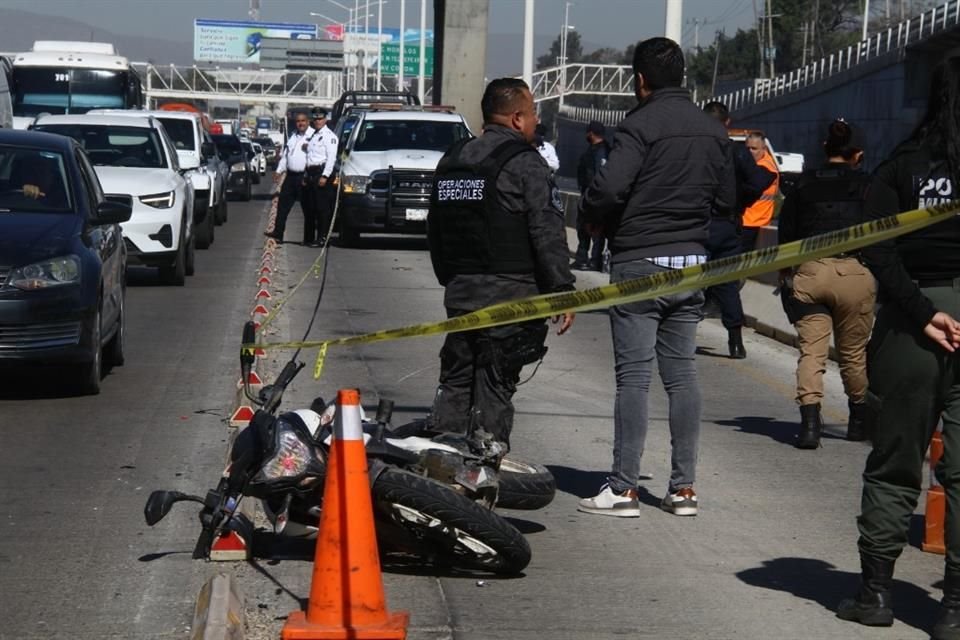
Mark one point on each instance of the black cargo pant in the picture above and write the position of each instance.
(290, 192)
(316, 209)
(479, 371)
(912, 383)
(723, 241)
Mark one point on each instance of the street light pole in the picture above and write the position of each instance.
(379, 44)
(423, 50)
(563, 51)
(403, 25)
(528, 43)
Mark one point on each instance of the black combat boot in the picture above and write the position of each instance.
(811, 426)
(948, 624)
(858, 427)
(735, 343)
(872, 605)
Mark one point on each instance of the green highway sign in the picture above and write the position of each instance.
(390, 59)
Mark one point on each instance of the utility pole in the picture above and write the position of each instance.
(423, 51)
(716, 64)
(866, 19)
(528, 42)
(673, 27)
(759, 30)
(403, 26)
(806, 31)
(379, 86)
(696, 32)
(770, 51)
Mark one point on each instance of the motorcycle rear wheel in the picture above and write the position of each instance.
(448, 526)
(524, 485)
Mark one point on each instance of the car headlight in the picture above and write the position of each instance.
(238, 167)
(355, 184)
(49, 273)
(160, 200)
(292, 456)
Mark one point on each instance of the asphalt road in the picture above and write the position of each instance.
(76, 559)
(770, 555)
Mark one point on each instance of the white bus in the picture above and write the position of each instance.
(62, 77)
(6, 104)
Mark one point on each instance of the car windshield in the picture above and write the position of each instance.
(385, 135)
(228, 146)
(114, 145)
(266, 143)
(181, 132)
(33, 181)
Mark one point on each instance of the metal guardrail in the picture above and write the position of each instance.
(248, 86)
(893, 39)
(618, 80)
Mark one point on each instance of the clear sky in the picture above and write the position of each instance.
(614, 23)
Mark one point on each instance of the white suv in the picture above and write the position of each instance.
(186, 132)
(135, 156)
(387, 172)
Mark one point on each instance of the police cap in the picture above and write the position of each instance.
(318, 112)
(596, 127)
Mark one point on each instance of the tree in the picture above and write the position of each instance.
(574, 51)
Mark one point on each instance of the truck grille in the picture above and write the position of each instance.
(410, 189)
(25, 337)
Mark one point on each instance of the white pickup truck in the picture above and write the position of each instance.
(387, 169)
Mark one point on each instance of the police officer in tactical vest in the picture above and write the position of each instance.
(838, 291)
(496, 233)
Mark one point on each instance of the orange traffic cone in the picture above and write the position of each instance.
(346, 593)
(935, 511)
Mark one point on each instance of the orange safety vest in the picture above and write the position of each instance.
(760, 213)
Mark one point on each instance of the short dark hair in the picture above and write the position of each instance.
(502, 97)
(660, 62)
(717, 109)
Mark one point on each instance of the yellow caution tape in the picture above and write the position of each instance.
(652, 286)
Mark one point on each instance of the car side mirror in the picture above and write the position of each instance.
(208, 150)
(115, 209)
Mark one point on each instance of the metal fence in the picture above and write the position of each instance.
(893, 39)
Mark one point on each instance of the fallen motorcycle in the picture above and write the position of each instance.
(282, 461)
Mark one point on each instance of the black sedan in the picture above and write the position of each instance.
(62, 259)
(242, 174)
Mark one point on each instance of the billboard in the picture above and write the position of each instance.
(239, 42)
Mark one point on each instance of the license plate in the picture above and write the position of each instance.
(417, 214)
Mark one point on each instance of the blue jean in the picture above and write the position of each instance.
(664, 328)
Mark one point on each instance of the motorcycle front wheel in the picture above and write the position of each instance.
(524, 485)
(448, 526)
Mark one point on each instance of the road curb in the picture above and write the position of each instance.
(219, 611)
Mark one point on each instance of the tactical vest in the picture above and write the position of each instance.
(833, 199)
(477, 234)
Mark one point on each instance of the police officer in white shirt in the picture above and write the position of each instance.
(292, 170)
(321, 158)
(547, 151)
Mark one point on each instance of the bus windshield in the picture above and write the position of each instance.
(61, 90)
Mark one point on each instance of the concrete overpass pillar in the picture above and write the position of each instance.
(460, 55)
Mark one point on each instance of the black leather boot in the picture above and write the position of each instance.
(872, 605)
(858, 424)
(947, 626)
(811, 426)
(735, 343)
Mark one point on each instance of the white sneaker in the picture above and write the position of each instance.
(682, 503)
(608, 503)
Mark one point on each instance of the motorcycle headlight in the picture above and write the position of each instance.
(238, 167)
(49, 273)
(355, 184)
(160, 200)
(292, 455)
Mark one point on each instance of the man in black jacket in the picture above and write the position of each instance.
(724, 236)
(589, 164)
(495, 231)
(669, 168)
